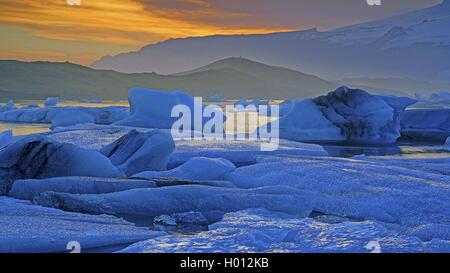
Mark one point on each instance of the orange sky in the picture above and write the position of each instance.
(84, 32)
(56, 31)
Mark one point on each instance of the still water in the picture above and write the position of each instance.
(405, 149)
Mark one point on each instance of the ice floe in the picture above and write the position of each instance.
(212, 202)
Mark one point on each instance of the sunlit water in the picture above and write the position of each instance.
(249, 122)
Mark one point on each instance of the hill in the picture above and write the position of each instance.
(231, 78)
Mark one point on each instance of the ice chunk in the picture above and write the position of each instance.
(185, 222)
(212, 202)
(447, 142)
(259, 230)
(70, 118)
(138, 152)
(197, 168)
(6, 138)
(32, 229)
(52, 101)
(28, 189)
(39, 157)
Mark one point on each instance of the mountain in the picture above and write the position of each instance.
(231, 78)
(399, 86)
(414, 45)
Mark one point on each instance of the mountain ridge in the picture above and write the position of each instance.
(413, 45)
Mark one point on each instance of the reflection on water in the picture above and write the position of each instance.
(403, 150)
(21, 129)
(40, 103)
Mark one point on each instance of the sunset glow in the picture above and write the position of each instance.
(54, 30)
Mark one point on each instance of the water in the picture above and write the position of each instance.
(22, 129)
(405, 149)
(401, 149)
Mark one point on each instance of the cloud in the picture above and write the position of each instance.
(119, 21)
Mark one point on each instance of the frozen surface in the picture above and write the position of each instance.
(104, 115)
(404, 192)
(137, 152)
(39, 157)
(212, 202)
(259, 230)
(29, 228)
(350, 115)
(28, 189)
(239, 152)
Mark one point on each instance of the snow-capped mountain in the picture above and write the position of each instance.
(428, 26)
(414, 45)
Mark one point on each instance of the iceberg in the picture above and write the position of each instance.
(8, 106)
(27, 228)
(426, 124)
(101, 115)
(212, 202)
(263, 231)
(138, 152)
(153, 108)
(344, 115)
(37, 157)
(197, 168)
(70, 118)
(51, 102)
